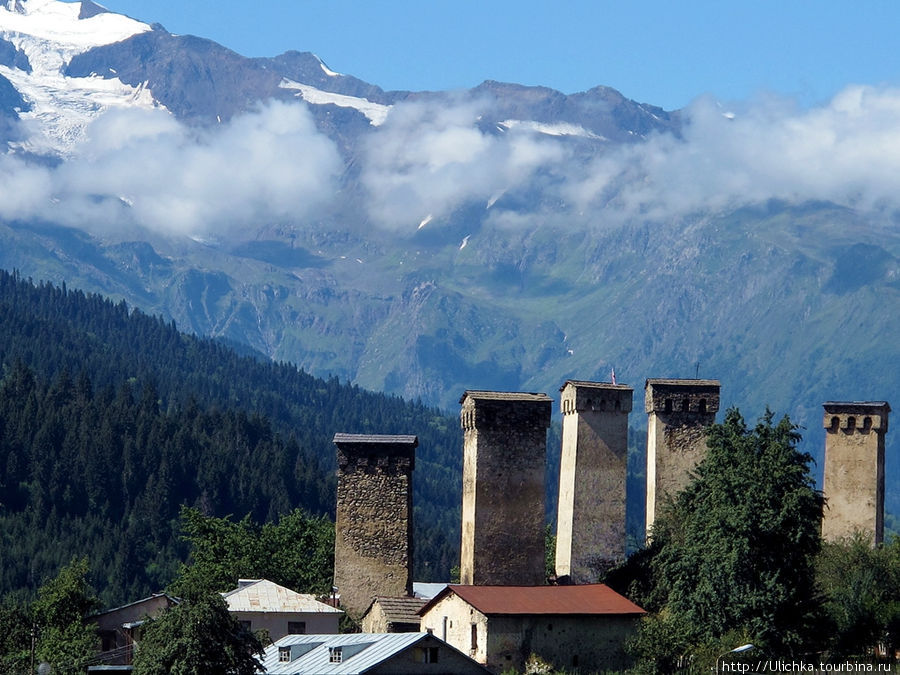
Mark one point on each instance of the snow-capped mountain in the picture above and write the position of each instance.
(40, 38)
(67, 62)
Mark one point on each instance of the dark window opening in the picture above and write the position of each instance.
(296, 628)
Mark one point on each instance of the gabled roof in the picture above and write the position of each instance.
(362, 652)
(399, 610)
(585, 599)
(263, 595)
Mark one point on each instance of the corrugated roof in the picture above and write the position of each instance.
(427, 589)
(504, 396)
(362, 652)
(582, 599)
(401, 610)
(375, 438)
(267, 596)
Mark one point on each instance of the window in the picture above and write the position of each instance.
(474, 636)
(296, 628)
(284, 654)
(245, 625)
(335, 655)
(431, 654)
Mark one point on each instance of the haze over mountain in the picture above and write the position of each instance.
(423, 243)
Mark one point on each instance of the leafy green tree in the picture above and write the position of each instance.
(197, 637)
(66, 641)
(861, 585)
(734, 555)
(15, 640)
(297, 552)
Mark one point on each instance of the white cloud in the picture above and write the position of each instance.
(143, 167)
(847, 152)
(429, 158)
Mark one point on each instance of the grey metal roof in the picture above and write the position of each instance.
(857, 404)
(376, 438)
(263, 595)
(376, 648)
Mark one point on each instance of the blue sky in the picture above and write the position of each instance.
(660, 52)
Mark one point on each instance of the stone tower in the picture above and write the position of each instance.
(373, 545)
(504, 462)
(854, 469)
(590, 534)
(678, 411)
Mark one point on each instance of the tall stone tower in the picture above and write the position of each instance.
(373, 544)
(854, 469)
(504, 463)
(590, 534)
(678, 411)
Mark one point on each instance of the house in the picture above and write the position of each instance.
(568, 626)
(264, 605)
(393, 615)
(382, 653)
(119, 628)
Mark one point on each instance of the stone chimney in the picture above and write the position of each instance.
(590, 534)
(373, 542)
(854, 469)
(504, 464)
(678, 412)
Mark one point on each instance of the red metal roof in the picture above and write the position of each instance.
(584, 599)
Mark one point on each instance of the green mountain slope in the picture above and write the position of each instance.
(111, 419)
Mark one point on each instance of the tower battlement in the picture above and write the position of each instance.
(582, 396)
(858, 416)
(700, 397)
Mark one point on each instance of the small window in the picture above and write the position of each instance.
(851, 423)
(284, 654)
(685, 404)
(668, 406)
(474, 636)
(431, 654)
(702, 405)
(296, 628)
(245, 626)
(335, 655)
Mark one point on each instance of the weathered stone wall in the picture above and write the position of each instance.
(854, 469)
(591, 515)
(504, 462)
(678, 412)
(373, 545)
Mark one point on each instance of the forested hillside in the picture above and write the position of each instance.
(110, 420)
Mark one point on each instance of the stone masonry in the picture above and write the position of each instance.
(678, 411)
(854, 469)
(504, 463)
(373, 545)
(590, 535)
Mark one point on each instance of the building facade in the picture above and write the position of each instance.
(590, 534)
(373, 544)
(854, 469)
(504, 464)
(678, 412)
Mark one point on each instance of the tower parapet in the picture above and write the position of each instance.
(373, 542)
(590, 535)
(678, 412)
(854, 469)
(504, 464)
